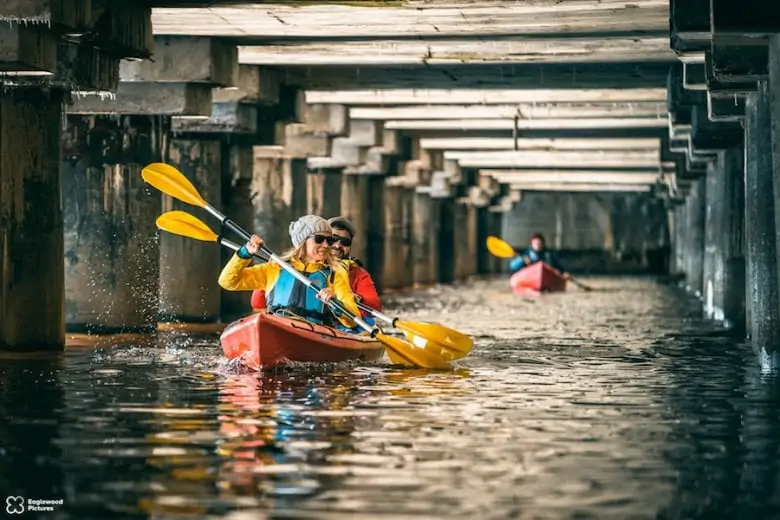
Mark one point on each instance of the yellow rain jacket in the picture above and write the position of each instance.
(237, 275)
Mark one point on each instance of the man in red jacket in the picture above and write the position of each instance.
(361, 282)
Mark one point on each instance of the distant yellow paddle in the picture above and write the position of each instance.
(448, 343)
(502, 249)
(172, 182)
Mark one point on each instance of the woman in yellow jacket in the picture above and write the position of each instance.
(311, 255)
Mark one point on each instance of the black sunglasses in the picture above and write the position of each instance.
(345, 241)
(319, 239)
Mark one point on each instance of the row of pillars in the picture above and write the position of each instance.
(725, 233)
(76, 195)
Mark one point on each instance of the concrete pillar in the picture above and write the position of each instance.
(425, 231)
(32, 293)
(354, 206)
(712, 264)
(277, 189)
(760, 239)
(237, 203)
(695, 232)
(189, 268)
(465, 239)
(497, 214)
(398, 262)
(111, 245)
(483, 259)
(732, 239)
(677, 221)
(375, 229)
(447, 242)
(323, 192)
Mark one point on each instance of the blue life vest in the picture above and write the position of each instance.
(290, 294)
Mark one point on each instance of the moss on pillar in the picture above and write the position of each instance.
(32, 293)
(111, 241)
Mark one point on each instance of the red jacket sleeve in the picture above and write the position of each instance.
(363, 286)
(258, 300)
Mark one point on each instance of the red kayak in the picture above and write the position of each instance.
(537, 277)
(264, 340)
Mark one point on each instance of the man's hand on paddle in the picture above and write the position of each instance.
(326, 294)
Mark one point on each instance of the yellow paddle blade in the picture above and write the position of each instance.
(402, 352)
(447, 342)
(172, 182)
(499, 248)
(186, 225)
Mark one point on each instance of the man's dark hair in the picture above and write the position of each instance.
(539, 236)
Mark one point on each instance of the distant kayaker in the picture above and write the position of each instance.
(536, 252)
(312, 238)
(360, 280)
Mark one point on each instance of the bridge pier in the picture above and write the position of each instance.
(111, 245)
(33, 286)
(397, 266)
(760, 228)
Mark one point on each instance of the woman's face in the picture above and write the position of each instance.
(317, 246)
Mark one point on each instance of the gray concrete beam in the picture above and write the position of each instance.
(124, 28)
(725, 109)
(27, 50)
(186, 60)
(253, 85)
(739, 64)
(234, 118)
(738, 23)
(175, 99)
(715, 84)
(377, 161)
(66, 14)
(300, 142)
(329, 119)
(708, 136)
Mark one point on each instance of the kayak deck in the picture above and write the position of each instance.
(537, 277)
(265, 340)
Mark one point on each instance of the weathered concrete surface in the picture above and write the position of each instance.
(522, 111)
(69, 14)
(466, 239)
(354, 206)
(253, 85)
(398, 262)
(277, 190)
(28, 50)
(228, 118)
(139, 98)
(32, 293)
(323, 192)
(189, 268)
(111, 243)
(760, 229)
(494, 227)
(328, 119)
(561, 144)
(425, 232)
(300, 141)
(237, 200)
(696, 215)
(186, 60)
(447, 238)
(525, 124)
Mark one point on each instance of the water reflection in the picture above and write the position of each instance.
(613, 404)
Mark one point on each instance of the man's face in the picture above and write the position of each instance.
(343, 245)
(537, 244)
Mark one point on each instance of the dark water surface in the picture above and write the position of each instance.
(618, 404)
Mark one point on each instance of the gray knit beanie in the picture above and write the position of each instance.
(307, 226)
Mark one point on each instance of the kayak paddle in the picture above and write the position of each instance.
(503, 249)
(449, 343)
(172, 182)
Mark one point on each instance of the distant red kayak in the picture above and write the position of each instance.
(264, 340)
(539, 277)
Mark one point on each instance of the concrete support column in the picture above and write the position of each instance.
(483, 260)
(446, 240)
(677, 221)
(695, 232)
(712, 264)
(465, 239)
(189, 268)
(323, 192)
(354, 206)
(398, 263)
(497, 214)
(32, 293)
(425, 232)
(732, 239)
(375, 230)
(277, 192)
(761, 239)
(111, 246)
